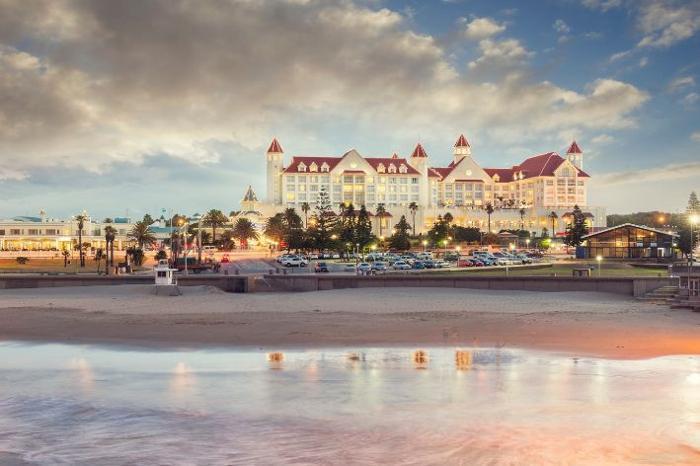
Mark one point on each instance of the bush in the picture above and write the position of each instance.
(22, 260)
(136, 255)
(161, 255)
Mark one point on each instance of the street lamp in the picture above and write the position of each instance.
(599, 258)
(444, 246)
(527, 243)
(425, 243)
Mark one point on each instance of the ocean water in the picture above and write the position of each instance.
(96, 405)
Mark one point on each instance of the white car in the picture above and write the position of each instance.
(364, 267)
(294, 261)
(401, 265)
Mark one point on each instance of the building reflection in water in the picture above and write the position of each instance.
(84, 373)
(463, 360)
(420, 359)
(275, 359)
(182, 381)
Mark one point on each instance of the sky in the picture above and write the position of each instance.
(140, 105)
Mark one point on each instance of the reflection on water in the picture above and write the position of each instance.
(63, 404)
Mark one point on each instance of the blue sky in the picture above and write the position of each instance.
(137, 106)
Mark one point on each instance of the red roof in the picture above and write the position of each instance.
(275, 147)
(539, 165)
(374, 162)
(294, 165)
(433, 173)
(442, 171)
(462, 141)
(574, 149)
(419, 151)
(395, 156)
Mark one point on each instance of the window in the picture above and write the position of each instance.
(313, 179)
(15, 231)
(402, 168)
(381, 168)
(414, 180)
(325, 167)
(392, 168)
(291, 178)
(313, 167)
(301, 167)
(32, 231)
(2, 232)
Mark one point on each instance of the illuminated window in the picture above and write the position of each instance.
(301, 167)
(313, 167)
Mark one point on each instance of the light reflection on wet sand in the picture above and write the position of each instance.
(464, 406)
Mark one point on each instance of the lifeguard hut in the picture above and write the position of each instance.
(166, 281)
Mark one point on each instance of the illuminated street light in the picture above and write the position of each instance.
(599, 258)
(425, 243)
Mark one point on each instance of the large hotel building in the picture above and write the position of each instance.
(540, 185)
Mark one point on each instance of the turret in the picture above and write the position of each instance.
(275, 166)
(462, 149)
(575, 155)
(419, 161)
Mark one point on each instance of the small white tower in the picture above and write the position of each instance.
(419, 161)
(274, 172)
(575, 155)
(462, 149)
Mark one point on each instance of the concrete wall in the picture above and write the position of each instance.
(624, 286)
(233, 284)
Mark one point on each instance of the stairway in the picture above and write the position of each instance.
(664, 295)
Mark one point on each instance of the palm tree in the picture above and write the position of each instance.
(489, 211)
(215, 219)
(244, 230)
(522, 216)
(110, 233)
(81, 223)
(381, 213)
(553, 217)
(305, 207)
(142, 234)
(413, 207)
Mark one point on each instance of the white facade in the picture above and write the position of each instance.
(541, 184)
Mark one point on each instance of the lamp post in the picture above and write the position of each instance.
(527, 243)
(425, 243)
(199, 219)
(693, 219)
(444, 247)
(599, 259)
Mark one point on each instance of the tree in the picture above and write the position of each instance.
(227, 240)
(576, 229)
(466, 234)
(110, 234)
(325, 222)
(136, 255)
(380, 214)
(243, 231)
(553, 217)
(161, 255)
(107, 220)
(413, 207)
(347, 226)
(440, 231)
(142, 234)
(685, 242)
(147, 219)
(215, 219)
(489, 211)
(693, 204)
(275, 228)
(448, 218)
(363, 228)
(522, 218)
(305, 207)
(81, 224)
(400, 239)
(293, 229)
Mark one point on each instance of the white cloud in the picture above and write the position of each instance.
(695, 136)
(671, 172)
(561, 27)
(482, 28)
(602, 139)
(643, 62)
(128, 87)
(680, 83)
(691, 99)
(619, 56)
(665, 22)
(604, 5)
(508, 52)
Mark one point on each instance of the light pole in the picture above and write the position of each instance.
(599, 258)
(199, 218)
(693, 219)
(527, 243)
(425, 243)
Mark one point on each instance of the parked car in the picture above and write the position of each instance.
(525, 258)
(294, 261)
(429, 264)
(440, 264)
(321, 267)
(465, 262)
(283, 257)
(401, 265)
(364, 267)
(418, 265)
(379, 267)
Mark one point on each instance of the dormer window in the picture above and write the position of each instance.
(496, 178)
(392, 168)
(521, 175)
(515, 176)
(403, 169)
(301, 167)
(325, 167)
(381, 168)
(313, 167)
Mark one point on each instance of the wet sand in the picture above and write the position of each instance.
(594, 324)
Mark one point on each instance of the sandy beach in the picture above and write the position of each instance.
(579, 323)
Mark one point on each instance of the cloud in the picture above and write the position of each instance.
(671, 172)
(103, 84)
(691, 99)
(618, 56)
(680, 83)
(561, 27)
(482, 28)
(695, 136)
(603, 5)
(664, 23)
(602, 139)
(503, 53)
(643, 62)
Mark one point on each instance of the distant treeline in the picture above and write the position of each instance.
(655, 219)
